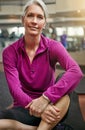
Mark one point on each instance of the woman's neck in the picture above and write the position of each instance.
(31, 42)
(31, 46)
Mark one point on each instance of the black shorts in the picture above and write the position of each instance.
(20, 114)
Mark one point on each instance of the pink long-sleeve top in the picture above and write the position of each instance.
(28, 81)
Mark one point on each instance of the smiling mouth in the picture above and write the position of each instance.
(33, 28)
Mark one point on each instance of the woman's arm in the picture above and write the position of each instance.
(12, 76)
(70, 78)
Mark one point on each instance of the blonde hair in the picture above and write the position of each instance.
(37, 2)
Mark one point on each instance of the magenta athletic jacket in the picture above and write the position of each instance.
(28, 81)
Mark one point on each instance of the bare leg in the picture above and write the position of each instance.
(63, 105)
(6, 124)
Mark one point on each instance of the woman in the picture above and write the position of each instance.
(29, 65)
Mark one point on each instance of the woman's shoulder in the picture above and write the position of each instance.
(13, 46)
(53, 45)
(50, 42)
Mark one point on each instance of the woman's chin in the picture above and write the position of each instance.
(34, 34)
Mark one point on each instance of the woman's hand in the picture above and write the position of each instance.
(37, 106)
(51, 114)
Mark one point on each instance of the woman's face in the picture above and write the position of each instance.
(34, 20)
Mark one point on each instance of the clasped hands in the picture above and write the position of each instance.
(40, 107)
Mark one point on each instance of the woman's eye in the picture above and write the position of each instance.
(29, 15)
(40, 16)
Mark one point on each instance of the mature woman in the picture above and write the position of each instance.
(29, 65)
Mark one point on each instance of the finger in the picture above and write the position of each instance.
(56, 109)
(51, 115)
(30, 112)
(53, 111)
(37, 114)
(49, 120)
(28, 105)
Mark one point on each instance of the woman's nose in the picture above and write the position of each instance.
(35, 20)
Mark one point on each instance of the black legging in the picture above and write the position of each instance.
(20, 114)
